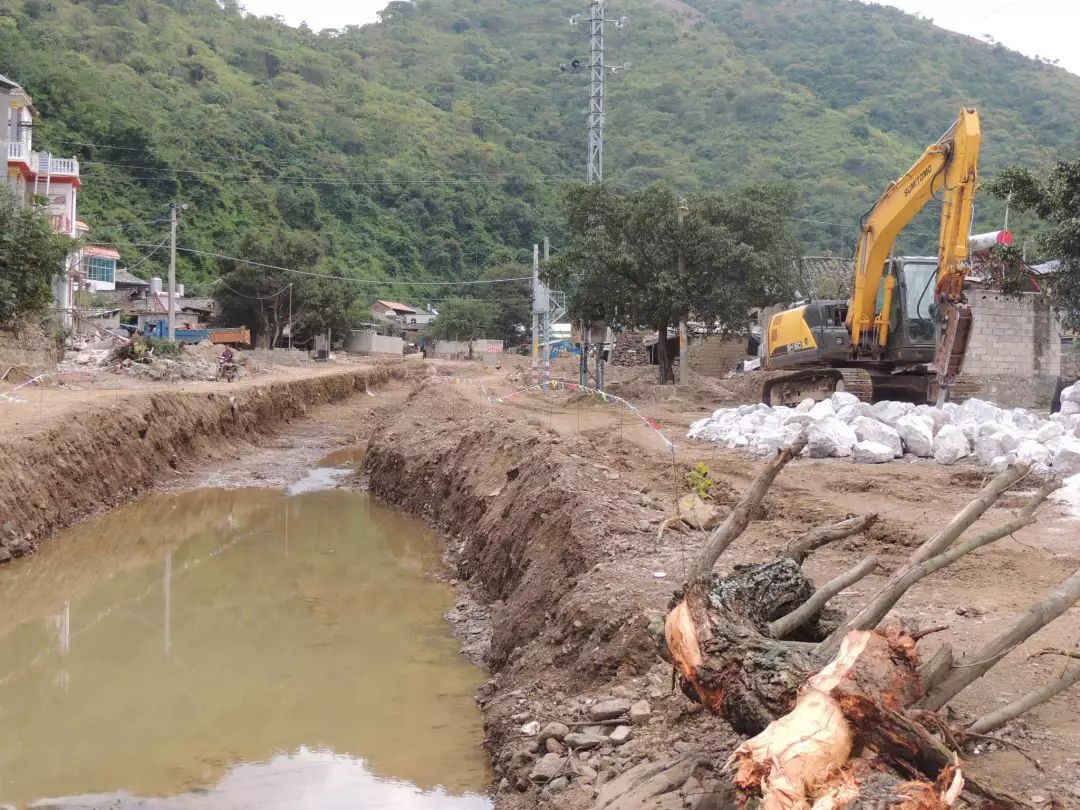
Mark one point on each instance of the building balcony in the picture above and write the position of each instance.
(45, 164)
(42, 163)
(18, 152)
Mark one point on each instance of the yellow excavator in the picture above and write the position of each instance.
(903, 333)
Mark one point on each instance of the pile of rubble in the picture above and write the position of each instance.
(844, 427)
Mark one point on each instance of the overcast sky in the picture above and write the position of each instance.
(1047, 28)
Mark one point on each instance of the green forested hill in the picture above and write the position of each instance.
(432, 145)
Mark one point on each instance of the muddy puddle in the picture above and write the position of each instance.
(233, 649)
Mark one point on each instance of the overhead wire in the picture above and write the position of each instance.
(391, 282)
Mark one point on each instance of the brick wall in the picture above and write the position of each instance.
(1012, 337)
(714, 356)
(1014, 354)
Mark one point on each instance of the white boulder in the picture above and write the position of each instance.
(829, 437)
(806, 405)
(840, 399)
(822, 410)
(1010, 439)
(872, 453)
(950, 445)
(1070, 393)
(849, 413)
(988, 447)
(917, 434)
(1032, 452)
(871, 430)
(890, 412)
(1068, 407)
(1048, 431)
(1003, 462)
(1067, 456)
(977, 410)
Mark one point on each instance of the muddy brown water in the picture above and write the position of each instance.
(232, 649)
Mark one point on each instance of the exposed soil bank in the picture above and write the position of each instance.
(553, 526)
(541, 530)
(104, 456)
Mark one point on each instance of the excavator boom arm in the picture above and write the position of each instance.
(949, 168)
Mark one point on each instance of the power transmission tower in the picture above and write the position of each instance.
(597, 111)
(596, 21)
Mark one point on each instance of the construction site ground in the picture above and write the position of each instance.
(588, 636)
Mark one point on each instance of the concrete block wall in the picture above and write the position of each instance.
(1014, 353)
(714, 356)
(1012, 336)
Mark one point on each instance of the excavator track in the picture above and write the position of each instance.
(791, 387)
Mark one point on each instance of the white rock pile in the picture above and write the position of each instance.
(844, 427)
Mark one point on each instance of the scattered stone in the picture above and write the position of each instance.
(553, 746)
(872, 453)
(871, 430)
(950, 445)
(640, 712)
(917, 434)
(554, 731)
(620, 735)
(547, 768)
(829, 437)
(558, 784)
(609, 709)
(530, 729)
(684, 747)
(583, 741)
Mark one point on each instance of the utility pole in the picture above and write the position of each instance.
(172, 271)
(684, 344)
(536, 310)
(290, 316)
(547, 318)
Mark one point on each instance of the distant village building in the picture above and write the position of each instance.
(410, 319)
(33, 174)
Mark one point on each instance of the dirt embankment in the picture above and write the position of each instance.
(551, 538)
(103, 456)
(552, 515)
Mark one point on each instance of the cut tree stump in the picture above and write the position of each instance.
(840, 722)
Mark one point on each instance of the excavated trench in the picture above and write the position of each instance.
(102, 457)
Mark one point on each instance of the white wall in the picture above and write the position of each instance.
(365, 341)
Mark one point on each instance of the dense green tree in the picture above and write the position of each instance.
(464, 319)
(648, 258)
(512, 301)
(31, 254)
(1053, 196)
(284, 281)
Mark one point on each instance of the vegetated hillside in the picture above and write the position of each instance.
(432, 145)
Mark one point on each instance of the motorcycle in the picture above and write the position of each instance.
(227, 369)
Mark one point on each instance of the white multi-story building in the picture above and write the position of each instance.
(39, 175)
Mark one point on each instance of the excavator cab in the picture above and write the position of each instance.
(912, 322)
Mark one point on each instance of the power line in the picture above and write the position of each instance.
(430, 283)
(168, 173)
(992, 13)
(253, 297)
(144, 259)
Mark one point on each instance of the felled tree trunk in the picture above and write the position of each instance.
(836, 714)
